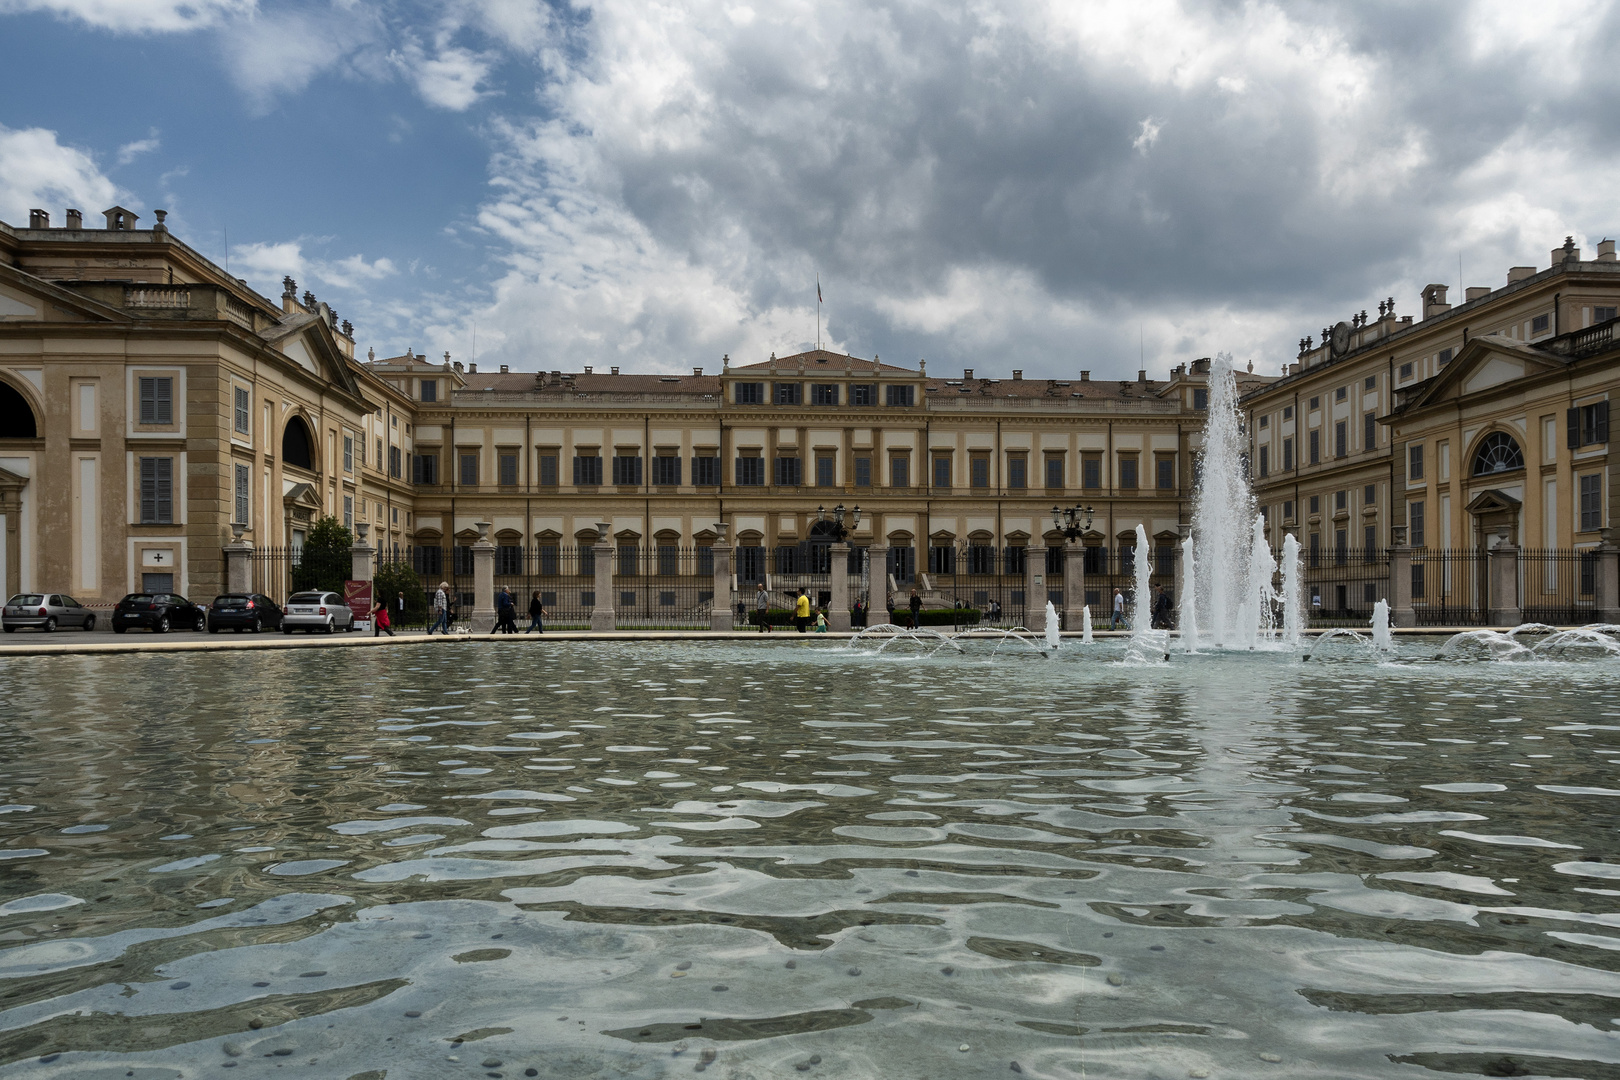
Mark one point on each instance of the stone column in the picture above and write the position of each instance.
(1035, 589)
(877, 571)
(361, 560)
(1504, 584)
(238, 563)
(602, 618)
(1401, 614)
(483, 612)
(1074, 585)
(723, 611)
(1606, 590)
(838, 606)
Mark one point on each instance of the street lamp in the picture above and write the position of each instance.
(837, 530)
(1073, 523)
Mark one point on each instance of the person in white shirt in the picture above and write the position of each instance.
(1119, 609)
(441, 609)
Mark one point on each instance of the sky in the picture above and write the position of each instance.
(656, 183)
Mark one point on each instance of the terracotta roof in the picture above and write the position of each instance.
(1052, 389)
(822, 360)
(406, 362)
(594, 383)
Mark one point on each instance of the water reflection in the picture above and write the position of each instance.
(630, 860)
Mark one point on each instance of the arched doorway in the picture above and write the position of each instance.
(297, 445)
(16, 416)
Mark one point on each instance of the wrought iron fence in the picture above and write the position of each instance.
(1558, 586)
(1449, 587)
(1343, 584)
(280, 572)
(663, 587)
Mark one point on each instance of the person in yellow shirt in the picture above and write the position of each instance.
(801, 612)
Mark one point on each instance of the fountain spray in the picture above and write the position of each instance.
(1052, 638)
(1189, 598)
(1223, 515)
(1085, 624)
(1142, 607)
(1293, 591)
(1380, 627)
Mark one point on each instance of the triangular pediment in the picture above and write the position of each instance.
(303, 496)
(1490, 501)
(10, 481)
(26, 298)
(307, 342)
(1485, 363)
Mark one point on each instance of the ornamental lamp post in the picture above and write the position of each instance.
(1073, 522)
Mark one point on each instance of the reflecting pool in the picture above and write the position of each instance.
(643, 860)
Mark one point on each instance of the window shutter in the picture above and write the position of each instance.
(165, 400)
(165, 489)
(1573, 418)
(148, 489)
(148, 401)
(1602, 421)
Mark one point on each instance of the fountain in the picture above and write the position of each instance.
(1380, 627)
(1085, 624)
(1052, 629)
(1189, 598)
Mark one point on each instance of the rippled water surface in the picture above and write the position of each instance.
(642, 860)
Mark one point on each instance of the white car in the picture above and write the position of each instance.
(311, 611)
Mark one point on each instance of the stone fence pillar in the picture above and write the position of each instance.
(602, 617)
(838, 606)
(482, 620)
(722, 610)
(1074, 585)
(1035, 589)
(1504, 584)
(1606, 587)
(1401, 614)
(238, 563)
(877, 593)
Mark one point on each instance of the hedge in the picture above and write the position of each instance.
(939, 616)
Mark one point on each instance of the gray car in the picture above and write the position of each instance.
(311, 611)
(45, 611)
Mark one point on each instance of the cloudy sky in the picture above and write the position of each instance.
(1029, 184)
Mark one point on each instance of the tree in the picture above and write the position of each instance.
(393, 578)
(325, 563)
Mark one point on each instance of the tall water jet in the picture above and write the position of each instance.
(1380, 627)
(1223, 517)
(1142, 608)
(1262, 568)
(1085, 624)
(1052, 630)
(1189, 598)
(1293, 592)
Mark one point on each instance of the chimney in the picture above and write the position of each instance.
(1141, 375)
(75, 220)
(1018, 374)
(1085, 376)
(587, 369)
(119, 219)
(1474, 292)
(504, 369)
(1434, 301)
(697, 371)
(472, 369)
(39, 219)
(615, 370)
(1519, 273)
(1606, 251)
(967, 373)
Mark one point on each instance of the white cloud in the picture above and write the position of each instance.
(269, 55)
(37, 171)
(1147, 136)
(137, 16)
(132, 150)
(448, 80)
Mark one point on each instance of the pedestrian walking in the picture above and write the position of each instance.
(537, 612)
(821, 622)
(379, 620)
(801, 612)
(1161, 609)
(916, 610)
(762, 607)
(441, 609)
(1119, 609)
(505, 613)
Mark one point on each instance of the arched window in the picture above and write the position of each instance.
(296, 445)
(16, 418)
(1498, 453)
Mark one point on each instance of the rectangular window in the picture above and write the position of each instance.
(750, 562)
(1341, 547)
(157, 491)
(705, 559)
(1588, 424)
(942, 471)
(1017, 477)
(348, 453)
(903, 563)
(1371, 383)
(1369, 431)
(548, 468)
(826, 470)
(1591, 502)
(394, 462)
(1091, 471)
(900, 470)
(348, 511)
(1265, 421)
(1315, 446)
(587, 470)
(823, 393)
(1127, 473)
(1017, 560)
(666, 471)
(900, 396)
(942, 560)
(1054, 470)
(626, 469)
(1288, 412)
(1288, 510)
(509, 469)
(243, 479)
(1167, 473)
(979, 472)
(669, 560)
(863, 394)
(1341, 393)
(509, 559)
(1265, 460)
(430, 389)
(1414, 523)
(429, 561)
(787, 472)
(1341, 439)
(1369, 495)
(1442, 358)
(750, 472)
(424, 469)
(750, 393)
(1200, 397)
(1603, 314)
(241, 411)
(863, 472)
(1414, 461)
(1341, 500)
(469, 470)
(379, 454)
(706, 471)
(157, 401)
(1316, 403)
(1315, 504)
(1288, 455)
(1369, 541)
(627, 564)
(786, 393)
(1541, 324)
(786, 558)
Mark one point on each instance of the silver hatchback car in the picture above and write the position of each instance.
(311, 611)
(45, 611)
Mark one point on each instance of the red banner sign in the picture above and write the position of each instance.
(357, 594)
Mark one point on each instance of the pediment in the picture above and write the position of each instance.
(1493, 371)
(303, 496)
(10, 481)
(25, 298)
(1483, 363)
(307, 341)
(1492, 500)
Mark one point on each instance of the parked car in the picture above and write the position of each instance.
(45, 611)
(159, 612)
(243, 611)
(311, 611)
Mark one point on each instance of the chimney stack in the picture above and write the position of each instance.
(1434, 301)
(504, 369)
(615, 370)
(587, 369)
(472, 369)
(697, 371)
(1018, 374)
(75, 220)
(1519, 273)
(1141, 375)
(1474, 292)
(1085, 376)
(1606, 251)
(967, 373)
(39, 219)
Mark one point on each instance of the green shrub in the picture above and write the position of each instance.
(394, 578)
(325, 562)
(939, 616)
